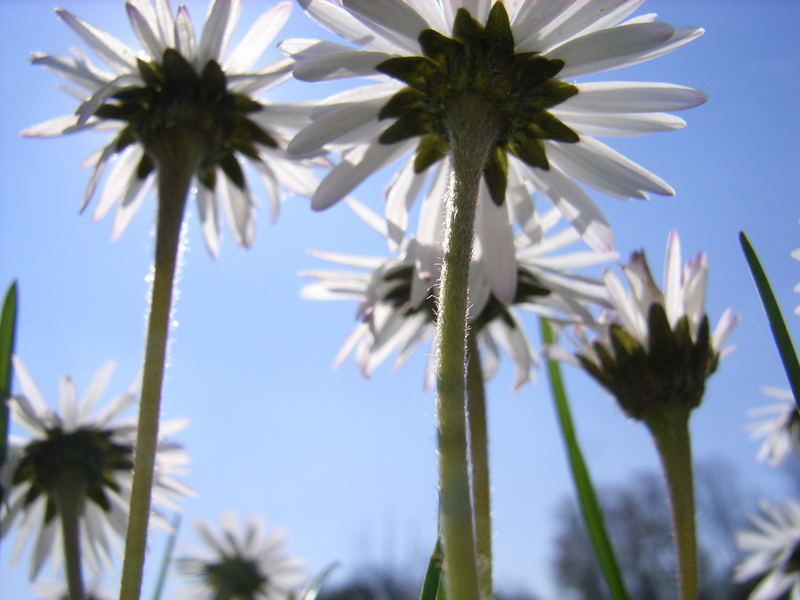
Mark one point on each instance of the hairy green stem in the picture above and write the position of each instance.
(70, 498)
(479, 457)
(670, 430)
(472, 131)
(175, 171)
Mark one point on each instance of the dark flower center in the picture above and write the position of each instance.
(234, 578)
(478, 60)
(176, 106)
(85, 459)
(528, 290)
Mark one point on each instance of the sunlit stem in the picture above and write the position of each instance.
(670, 429)
(472, 130)
(479, 457)
(70, 498)
(175, 171)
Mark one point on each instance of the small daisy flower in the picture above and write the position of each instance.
(243, 562)
(517, 58)
(79, 454)
(778, 424)
(654, 346)
(183, 96)
(773, 548)
(397, 296)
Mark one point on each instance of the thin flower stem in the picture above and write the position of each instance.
(69, 497)
(174, 178)
(479, 456)
(670, 430)
(472, 129)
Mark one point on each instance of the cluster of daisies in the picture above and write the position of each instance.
(411, 58)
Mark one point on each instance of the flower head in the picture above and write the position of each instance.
(778, 424)
(397, 296)
(655, 347)
(774, 548)
(245, 563)
(184, 98)
(86, 454)
(518, 59)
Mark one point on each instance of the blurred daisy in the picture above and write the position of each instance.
(656, 346)
(397, 296)
(50, 590)
(185, 93)
(774, 548)
(78, 460)
(244, 563)
(519, 59)
(778, 424)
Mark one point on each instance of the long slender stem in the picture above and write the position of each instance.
(472, 133)
(174, 177)
(479, 457)
(70, 499)
(670, 430)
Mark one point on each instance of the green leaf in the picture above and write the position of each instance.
(776, 323)
(433, 584)
(590, 507)
(8, 326)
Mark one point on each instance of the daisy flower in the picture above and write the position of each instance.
(185, 93)
(773, 546)
(80, 457)
(397, 296)
(243, 563)
(519, 58)
(778, 424)
(656, 346)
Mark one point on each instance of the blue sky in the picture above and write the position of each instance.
(347, 465)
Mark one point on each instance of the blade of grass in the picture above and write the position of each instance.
(432, 582)
(776, 322)
(8, 326)
(162, 574)
(587, 498)
(312, 589)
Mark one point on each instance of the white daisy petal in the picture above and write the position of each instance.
(116, 54)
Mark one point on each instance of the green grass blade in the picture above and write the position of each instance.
(8, 326)
(776, 322)
(433, 583)
(590, 507)
(312, 589)
(162, 574)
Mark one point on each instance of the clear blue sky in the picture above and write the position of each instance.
(347, 465)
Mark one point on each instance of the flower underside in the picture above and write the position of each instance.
(478, 60)
(177, 107)
(84, 459)
(673, 370)
(528, 290)
(234, 578)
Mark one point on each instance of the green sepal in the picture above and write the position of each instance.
(529, 288)
(430, 149)
(178, 72)
(403, 101)
(257, 134)
(145, 167)
(550, 93)
(415, 71)
(548, 127)
(244, 103)
(116, 112)
(232, 169)
(150, 73)
(465, 26)
(208, 177)
(50, 511)
(411, 124)
(662, 342)
(624, 344)
(439, 47)
(496, 174)
(498, 31)
(98, 496)
(212, 81)
(535, 70)
(529, 149)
